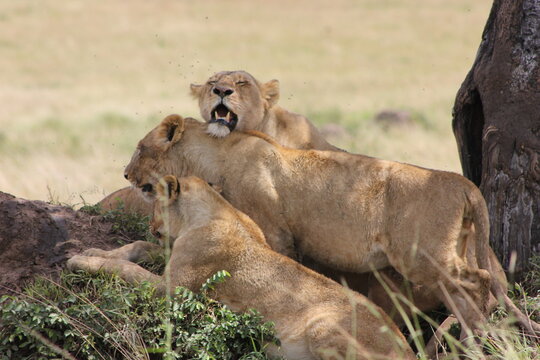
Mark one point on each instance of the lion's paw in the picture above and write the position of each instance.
(75, 262)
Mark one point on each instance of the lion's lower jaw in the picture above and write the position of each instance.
(217, 130)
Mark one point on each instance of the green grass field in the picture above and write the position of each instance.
(83, 81)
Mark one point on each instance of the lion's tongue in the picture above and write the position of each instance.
(222, 112)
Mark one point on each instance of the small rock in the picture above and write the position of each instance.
(394, 118)
(333, 130)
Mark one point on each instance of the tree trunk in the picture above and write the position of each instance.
(496, 121)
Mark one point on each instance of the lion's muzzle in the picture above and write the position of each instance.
(222, 115)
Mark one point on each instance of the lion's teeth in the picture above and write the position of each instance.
(227, 117)
(215, 114)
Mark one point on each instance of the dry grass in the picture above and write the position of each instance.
(82, 81)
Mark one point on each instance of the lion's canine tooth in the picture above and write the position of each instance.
(215, 114)
(227, 117)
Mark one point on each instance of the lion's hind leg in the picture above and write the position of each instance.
(130, 272)
(464, 289)
(326, 341)
(372, 336)
(467, 295)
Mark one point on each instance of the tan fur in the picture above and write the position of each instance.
(314, 317)
(257, 109)
(128, 199)
(349, 212)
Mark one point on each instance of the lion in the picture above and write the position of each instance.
(349, 212)
(314, 317)
(235, 100)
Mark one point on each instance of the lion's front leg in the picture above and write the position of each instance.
(138, 251)
(127, 270)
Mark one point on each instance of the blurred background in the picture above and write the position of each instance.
(82, 81)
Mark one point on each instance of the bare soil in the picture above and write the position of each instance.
(36, 239)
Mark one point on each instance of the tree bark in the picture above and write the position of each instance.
(496, 121)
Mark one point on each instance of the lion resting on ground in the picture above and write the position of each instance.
(235, 100)
(349, 212)
(314, 317)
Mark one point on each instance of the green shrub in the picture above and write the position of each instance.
(101, 317)
(127, 225)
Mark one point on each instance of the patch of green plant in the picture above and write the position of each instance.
(101, 317)
(94, 210)
(128, 225)
(531, 279)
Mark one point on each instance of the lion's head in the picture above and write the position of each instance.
(163, 151)
(232, 100)
(148, 162)
(178, 200)
(183, 147)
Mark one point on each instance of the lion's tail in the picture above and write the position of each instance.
(480, 218)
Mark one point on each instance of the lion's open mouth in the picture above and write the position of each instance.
(222, 115)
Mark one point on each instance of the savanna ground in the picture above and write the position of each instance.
(82, 82)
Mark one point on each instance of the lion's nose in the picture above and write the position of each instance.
(222, 91)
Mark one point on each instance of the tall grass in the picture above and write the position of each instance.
(101, 317)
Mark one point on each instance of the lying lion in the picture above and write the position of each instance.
(314, 317)
(235, 100)
(349, 212)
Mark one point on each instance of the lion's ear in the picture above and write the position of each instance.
(171, 129)
(270, 92)
(168, 189)
(196, 90)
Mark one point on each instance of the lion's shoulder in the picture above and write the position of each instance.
(296, 131)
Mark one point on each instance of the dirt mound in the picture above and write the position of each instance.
(36, 238)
